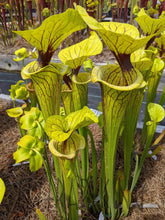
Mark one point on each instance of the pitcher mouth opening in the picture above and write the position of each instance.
(32, 69)
(79, 80)
(98, 75)
(29, 69)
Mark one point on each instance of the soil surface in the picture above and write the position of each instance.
(26, 191)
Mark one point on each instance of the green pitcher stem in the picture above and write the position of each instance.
(79, 95)
(85, 165)
(153, 83)
(102, 177)
(71, 189)
(94, 163)
(78, 173)
(162, 98)
(60, 184)
(131, 118)
(113, 112)
(13, 104)
(109, 160)
(150, 133)
(22, 131)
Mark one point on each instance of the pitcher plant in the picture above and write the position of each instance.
(74, 56)
(139, 65)
(47, 77)
(122, 88)
(152, 26)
